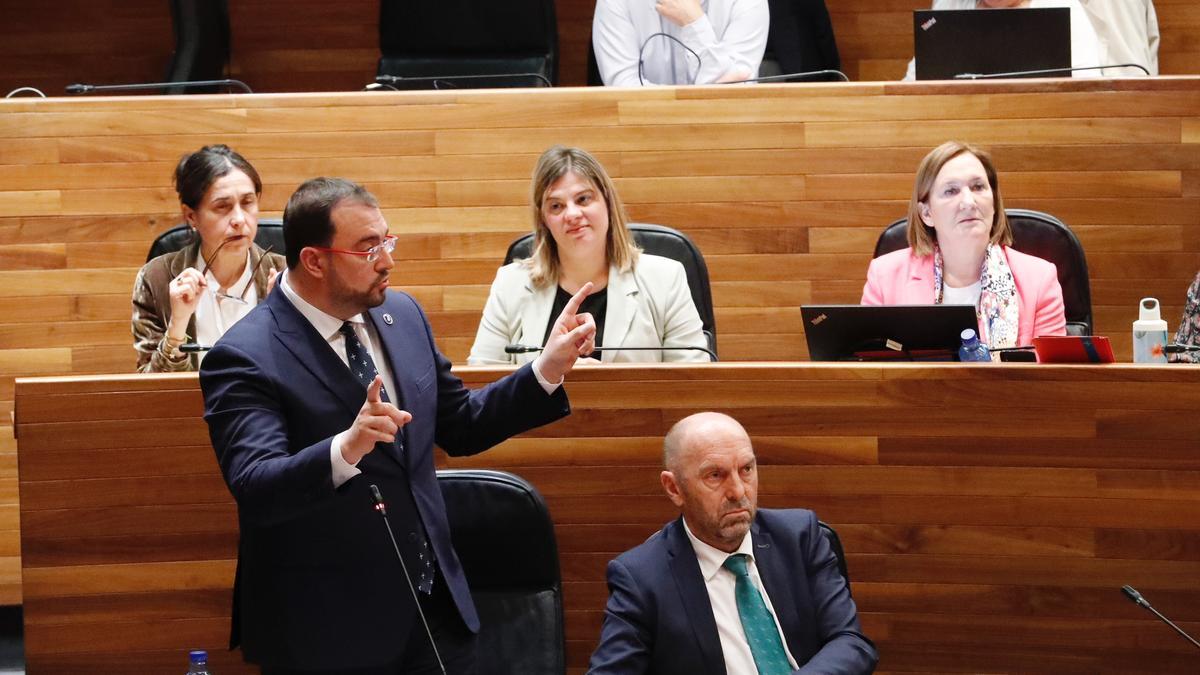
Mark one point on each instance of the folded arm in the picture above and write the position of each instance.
(845, 650)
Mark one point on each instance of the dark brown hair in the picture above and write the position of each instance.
(197, 171)
(307, 219)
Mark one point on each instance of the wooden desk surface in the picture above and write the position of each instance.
(990, 513)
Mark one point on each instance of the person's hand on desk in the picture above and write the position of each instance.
(680, 12)
(573, 336)
(734, 76)
(378, 421)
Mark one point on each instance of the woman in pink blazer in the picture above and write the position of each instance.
(959, 253)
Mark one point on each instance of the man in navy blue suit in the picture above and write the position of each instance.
(328, 387)
(700, 597)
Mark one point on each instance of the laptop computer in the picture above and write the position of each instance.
(951, 42)
(886, 333)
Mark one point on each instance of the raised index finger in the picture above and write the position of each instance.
(576, 300)
(373, 390)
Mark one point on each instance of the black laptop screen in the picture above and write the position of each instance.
(887, 332)
(989, 41)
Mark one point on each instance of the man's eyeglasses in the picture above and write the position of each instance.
(372, 254)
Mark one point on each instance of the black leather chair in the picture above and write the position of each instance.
(448, 38)
(504, 537)
(1044, 236)
(800, 39)
(668, 243)
(835, 542)
(270, 233)
(201, 43)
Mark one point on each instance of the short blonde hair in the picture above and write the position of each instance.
(921, 237)
(555, 163)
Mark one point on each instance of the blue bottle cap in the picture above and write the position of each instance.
(198, 656)
(968, 334)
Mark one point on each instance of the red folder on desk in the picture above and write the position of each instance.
(1073, 349)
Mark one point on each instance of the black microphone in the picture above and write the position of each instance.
(787, 77)
(192, 348)
(1047, 71)
(377, 497)
(642, 51)
(398, 79)
(88, 88)
(1131, 593)
(1181, 349)
(526, 349)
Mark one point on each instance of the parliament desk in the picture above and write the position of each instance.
(989, 513)
(785, 188)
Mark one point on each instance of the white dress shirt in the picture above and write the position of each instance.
(1128, 31)
(730, 38)
(329, 327)
(720, 584)
(215, 314)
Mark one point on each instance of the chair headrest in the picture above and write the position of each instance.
(270, 234)
(492, 511)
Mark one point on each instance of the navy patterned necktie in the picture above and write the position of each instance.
(757, 622)
(363, 367)
(359, 359)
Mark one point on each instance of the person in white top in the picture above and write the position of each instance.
(1086, 49)
(728, 587)
(1128, 30)
(706, 41)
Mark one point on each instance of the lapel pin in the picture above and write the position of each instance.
(387, 318)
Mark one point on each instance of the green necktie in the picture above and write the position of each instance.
(757, 622)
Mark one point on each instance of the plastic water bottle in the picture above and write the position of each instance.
(198, 662)
(1149, 334)
(972, 349)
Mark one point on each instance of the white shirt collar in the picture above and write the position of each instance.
(712, 559)
(326, 324)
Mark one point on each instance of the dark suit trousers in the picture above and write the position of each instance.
(455, 643)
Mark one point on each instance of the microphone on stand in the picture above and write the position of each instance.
(526, 349)
(817, 75)
(1137, 599)
(1180, 348)
(1047, 71)
(377, 497)
(498, 77)
(88, 88)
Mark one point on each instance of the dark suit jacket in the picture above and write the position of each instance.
(318, 584)
(659, 619)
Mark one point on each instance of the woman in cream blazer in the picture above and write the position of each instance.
(580, 236)
(649, 304)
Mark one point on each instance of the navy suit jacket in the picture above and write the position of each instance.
(659, 619)
(318, 584)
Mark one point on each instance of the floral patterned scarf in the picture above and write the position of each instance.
(998, 310)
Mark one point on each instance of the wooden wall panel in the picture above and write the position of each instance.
(784, 188)
(313, 45)
(975, 544)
